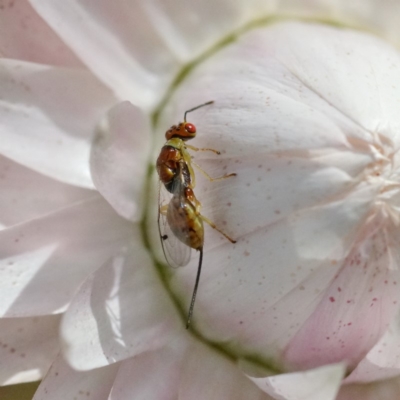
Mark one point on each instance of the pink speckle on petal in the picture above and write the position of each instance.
(331, 299)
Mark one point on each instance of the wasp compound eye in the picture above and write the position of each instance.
(190, 128)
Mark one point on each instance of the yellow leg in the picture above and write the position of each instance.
(209, 177)
(201, 149)
(164, 209)
(205, 219)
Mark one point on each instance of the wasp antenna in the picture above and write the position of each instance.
(189, 318)
(195, 108)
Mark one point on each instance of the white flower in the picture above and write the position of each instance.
(305, 114)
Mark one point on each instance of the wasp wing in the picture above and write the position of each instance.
(176, 252)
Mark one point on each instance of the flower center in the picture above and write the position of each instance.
(384, 173)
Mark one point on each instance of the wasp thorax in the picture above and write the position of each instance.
(184, 131)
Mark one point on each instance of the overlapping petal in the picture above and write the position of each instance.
(48, 117)
(185, 369)
(43, 261)
(107, 39)
(62, 382)
(120, 311)
(119, 159)
(20, 199)
(320, 384)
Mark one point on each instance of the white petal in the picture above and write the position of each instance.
(46, 259)
(117, 42)
(120, 311)
(48, 116)
(28, 347)
(27, 194)
(62, 382)
(186, 370)
(319, 384)
(25, 36)
(119, 159)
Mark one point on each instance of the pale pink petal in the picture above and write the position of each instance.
(27, 194)
(118, 42)
(119, 159)
(186, 370)
(382, 390)
(48, 116)
(120, 311)
(319, 384)
(26, 36)
(28, 347)
(383, 360)
(62, 382)
(355, 310)
(43, 261)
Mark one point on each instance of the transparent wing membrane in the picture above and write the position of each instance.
(176, 252)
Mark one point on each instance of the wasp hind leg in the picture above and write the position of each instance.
(205, 219)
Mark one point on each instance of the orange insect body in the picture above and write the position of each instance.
(183, 210)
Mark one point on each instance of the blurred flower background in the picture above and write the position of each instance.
(306, 304)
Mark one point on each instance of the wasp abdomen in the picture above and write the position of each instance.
(185, 223)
